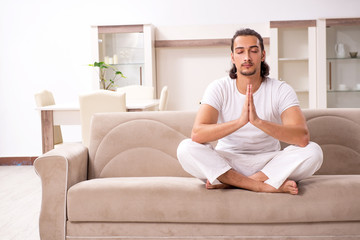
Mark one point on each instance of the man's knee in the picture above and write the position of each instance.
(189, 146)
(311, 155)
(310, 160)
(315, 156)
(316, 152)
(183, 147)
(186, 148)
(312, 151)
(187, 154)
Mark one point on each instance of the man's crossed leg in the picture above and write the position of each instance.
(269, 172)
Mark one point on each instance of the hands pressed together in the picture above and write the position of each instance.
(249, 112)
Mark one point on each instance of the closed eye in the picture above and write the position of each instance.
(254, 49)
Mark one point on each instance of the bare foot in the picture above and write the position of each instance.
(289, 186)
(252, 183)
(208, 185)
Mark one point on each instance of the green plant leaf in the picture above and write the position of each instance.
(102, 69)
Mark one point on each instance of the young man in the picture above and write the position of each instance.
(248, 114)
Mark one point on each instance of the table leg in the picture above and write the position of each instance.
(47, 130)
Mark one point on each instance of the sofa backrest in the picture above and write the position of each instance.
(337, 131)
(137, 144)
(145, 143)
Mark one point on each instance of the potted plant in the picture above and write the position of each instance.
(106, 70)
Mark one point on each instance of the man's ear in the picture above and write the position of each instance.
(263, 56)
(232, 58)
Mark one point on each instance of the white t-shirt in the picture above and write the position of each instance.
(271, 99)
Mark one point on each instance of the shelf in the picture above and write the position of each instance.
(301, 90)
(129, 48)
(293, 24)
(347, 58)
(342, 22)
(192, 43)
(344, 91)
(122, 64)
(293, 59)
(225, 42)
(121, 29)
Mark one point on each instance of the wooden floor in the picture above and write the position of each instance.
(20, 200)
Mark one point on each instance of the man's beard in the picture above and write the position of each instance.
(245, 73)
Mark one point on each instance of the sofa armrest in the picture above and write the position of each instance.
(59, 169)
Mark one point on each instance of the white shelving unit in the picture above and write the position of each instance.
(340, 76)
(293, 57)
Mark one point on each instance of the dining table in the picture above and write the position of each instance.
(69, 114)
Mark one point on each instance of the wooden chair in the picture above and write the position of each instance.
(98, 102)
(163, 98)
(46, 98)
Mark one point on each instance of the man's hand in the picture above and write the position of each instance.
(244, 118)
(249, 112)
(253, 117)
(206, 128)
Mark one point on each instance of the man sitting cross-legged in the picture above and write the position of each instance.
(249, 114)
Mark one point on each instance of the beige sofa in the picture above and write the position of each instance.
(129, 185)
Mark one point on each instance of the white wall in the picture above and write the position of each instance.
(46, 44)
(187, 71)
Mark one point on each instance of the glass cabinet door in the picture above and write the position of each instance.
(125, 52)
(343, 70)
(128, 49)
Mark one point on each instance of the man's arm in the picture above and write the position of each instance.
(206, 128)
(293, 129)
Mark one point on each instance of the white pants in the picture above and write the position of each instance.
(295, 163)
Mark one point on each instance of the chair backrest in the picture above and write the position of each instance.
(137, 92)
(163, 98)
(46, 98)
(98, 102)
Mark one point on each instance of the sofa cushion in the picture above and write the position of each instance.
(179, 199)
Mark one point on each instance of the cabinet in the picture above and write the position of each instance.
(130, 49)
(342, 71)
(293, 57)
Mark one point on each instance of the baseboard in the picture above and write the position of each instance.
(17, 161)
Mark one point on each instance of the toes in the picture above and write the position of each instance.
(208, 185)
(290, 187)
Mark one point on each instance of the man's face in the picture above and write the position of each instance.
(247, 55)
